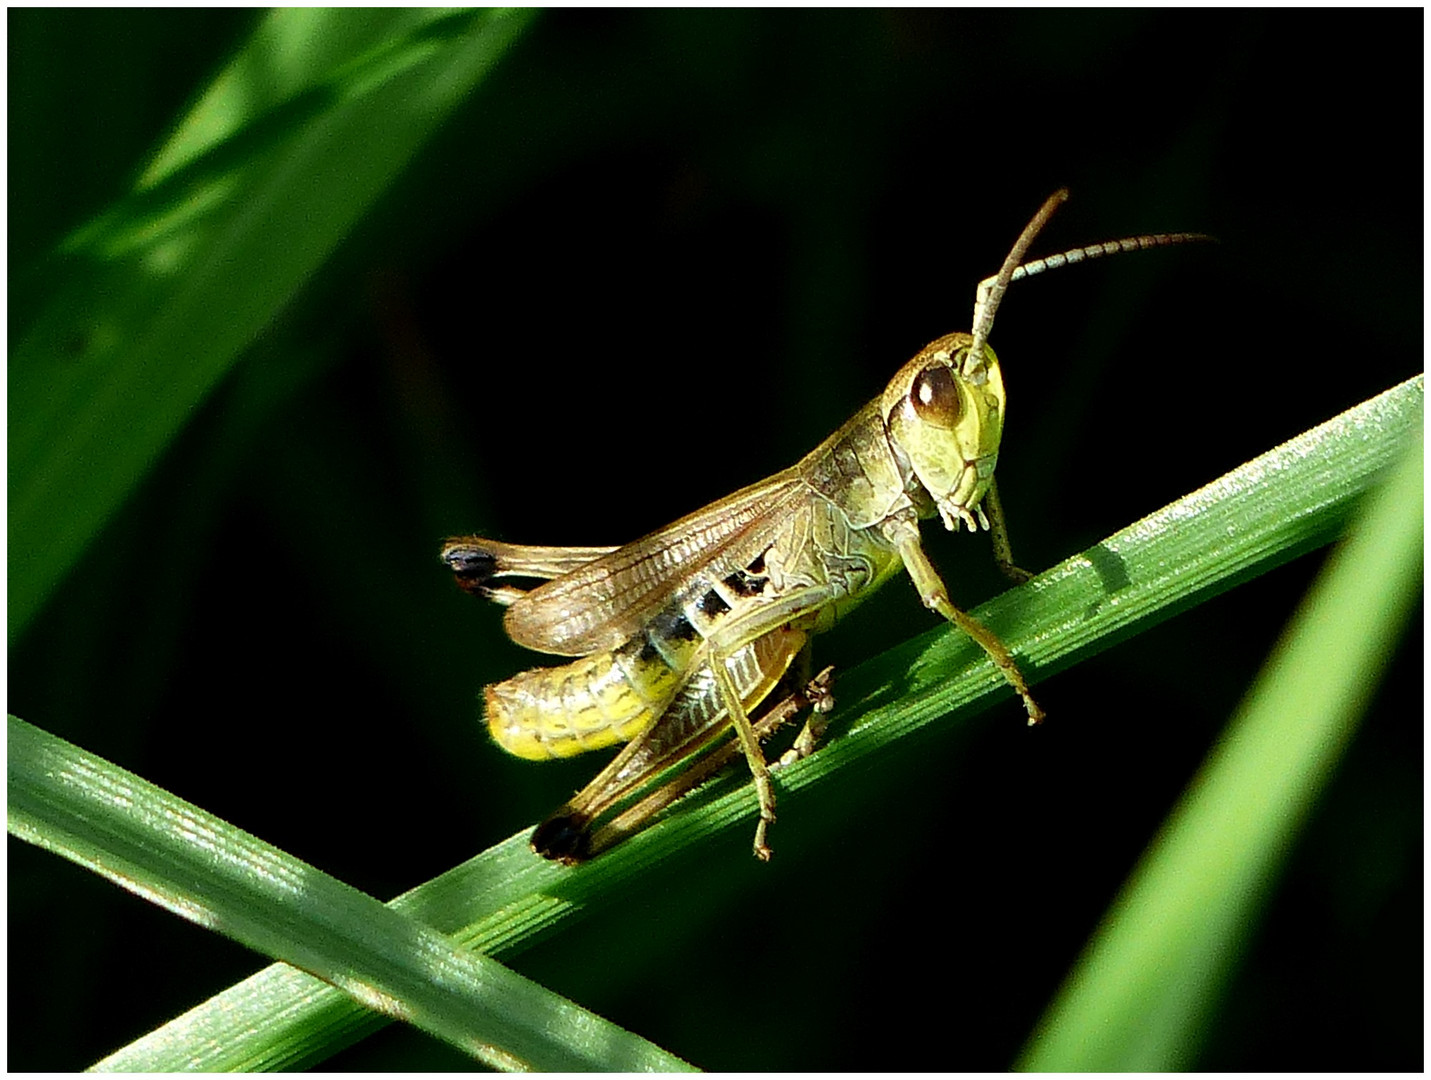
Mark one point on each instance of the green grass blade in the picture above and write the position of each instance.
(195, 865)
(157, 297)
(1139, 998)
(1287, 501)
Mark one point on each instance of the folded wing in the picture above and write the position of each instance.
(603, 603)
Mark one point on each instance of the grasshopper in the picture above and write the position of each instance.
(683, 634)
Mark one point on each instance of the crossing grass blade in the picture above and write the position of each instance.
(206, 870)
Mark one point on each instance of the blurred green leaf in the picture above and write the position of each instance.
(1140, 996)
(159, 295)
(1285, 502)
(206, 870)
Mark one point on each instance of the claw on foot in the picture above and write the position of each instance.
(762, 849)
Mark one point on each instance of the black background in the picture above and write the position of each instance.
(659, 255)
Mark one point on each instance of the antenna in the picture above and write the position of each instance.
(991, 290)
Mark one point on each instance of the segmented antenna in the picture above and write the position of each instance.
(991, 290)
(1097, 251)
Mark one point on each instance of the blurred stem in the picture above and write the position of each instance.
(1140, 997)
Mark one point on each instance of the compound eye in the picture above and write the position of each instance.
(935, 396)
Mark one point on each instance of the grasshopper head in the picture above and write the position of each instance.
(944, 412)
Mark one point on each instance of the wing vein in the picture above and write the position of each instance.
(606, 602)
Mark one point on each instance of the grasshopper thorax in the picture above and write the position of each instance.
(944, 417)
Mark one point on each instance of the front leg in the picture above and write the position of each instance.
(905, 537)
(999, 533)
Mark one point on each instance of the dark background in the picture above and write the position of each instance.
(659, 255)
